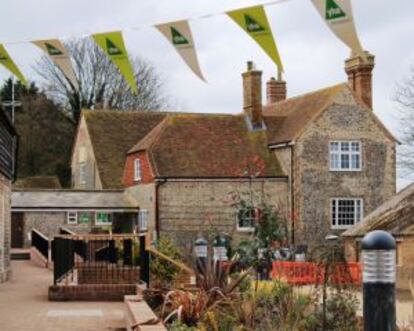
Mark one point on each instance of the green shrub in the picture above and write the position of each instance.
(163, 272)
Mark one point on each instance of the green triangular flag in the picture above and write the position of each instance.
(252, 25)
(333, 11)
(178, 38)
(113, 45)
(52, 50)
(254, 22)
(6, 61)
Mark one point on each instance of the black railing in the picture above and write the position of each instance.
(99, 259)
(64, 258)
(41, 243)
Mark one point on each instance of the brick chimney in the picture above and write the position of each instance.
(252, 96)
(360, 76)
(276, 90)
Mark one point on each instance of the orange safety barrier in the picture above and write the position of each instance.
(305, 273)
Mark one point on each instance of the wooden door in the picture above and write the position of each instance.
(17, 226)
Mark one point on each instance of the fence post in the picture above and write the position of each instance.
(144, 261)
(379, 273)
(127, 252)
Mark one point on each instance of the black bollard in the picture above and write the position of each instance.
(379, 273)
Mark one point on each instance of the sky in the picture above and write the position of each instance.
(313, 57)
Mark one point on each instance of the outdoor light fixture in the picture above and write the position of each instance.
(379, 274)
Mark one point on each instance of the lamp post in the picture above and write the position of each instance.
(379, 274)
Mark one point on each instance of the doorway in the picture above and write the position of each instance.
(17, 227)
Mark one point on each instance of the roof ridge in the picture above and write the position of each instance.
(150, 112)
(299, 96)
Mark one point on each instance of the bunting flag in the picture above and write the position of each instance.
(180, 36)
(338, 15)
(113, 45)
(60, 57)
(6, 61)
(254, 21)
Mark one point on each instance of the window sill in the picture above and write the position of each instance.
(245, 229)
(346, 227)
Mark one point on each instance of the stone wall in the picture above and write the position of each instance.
(83, 152)
(315, 184)
(48, 223)
(190, 207)
(144, 195)
(5, 228)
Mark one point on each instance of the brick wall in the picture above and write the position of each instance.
(129, 171)
(107, 275)
(5, 228)
(315, 184)
(99, 292)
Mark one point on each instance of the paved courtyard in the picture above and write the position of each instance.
(24, 306)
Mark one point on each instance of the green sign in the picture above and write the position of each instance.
(333, 11)
(178, 38)
(52, 50)
(112, 48)
(252, 25)
(84, 218)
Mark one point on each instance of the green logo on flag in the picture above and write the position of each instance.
(178, 38)
(333, 11)
(52, 50)
(111, 48)
(252, 25)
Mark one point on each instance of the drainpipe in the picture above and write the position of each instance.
(292, 193)
(158, 184)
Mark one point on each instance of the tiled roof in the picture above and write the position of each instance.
(286, 119)
(37, 182)
(112, 134)
(395, 215)
(190, 145)
(71, 199)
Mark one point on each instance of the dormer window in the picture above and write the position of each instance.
(137, 170)
(345, 155)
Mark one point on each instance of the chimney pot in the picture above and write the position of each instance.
(359, 73)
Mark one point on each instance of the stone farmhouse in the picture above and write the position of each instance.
(323, 158)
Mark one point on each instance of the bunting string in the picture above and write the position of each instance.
(337, 14)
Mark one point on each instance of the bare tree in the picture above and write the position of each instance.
(404, 98)
(100, 82)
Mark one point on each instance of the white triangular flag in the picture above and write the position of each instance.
(60, 57)
(338, 15)
(179, 35)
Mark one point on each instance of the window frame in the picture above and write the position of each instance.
(68, 217)
(140, 222)
(137, 170)
(337, 226)
(350, 153)
(82, 173)
(97, 222)
(244, 228)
